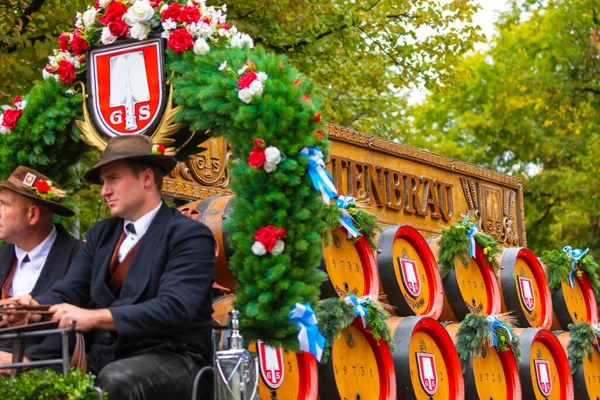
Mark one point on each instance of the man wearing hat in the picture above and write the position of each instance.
(141, 283)
(37, 253)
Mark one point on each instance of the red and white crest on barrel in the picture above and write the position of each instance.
(410, 276)
(526, 288)
(127, 87)
(542, 375)
(427, 372)
(271, 365)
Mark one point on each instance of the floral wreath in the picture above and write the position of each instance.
(257, 101)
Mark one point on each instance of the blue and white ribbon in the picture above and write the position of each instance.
(318, 174)
(343, 202)
(496, 323)
(597, 329)
(572, 278)
(359, 309)
(471, 234)
(309, 336)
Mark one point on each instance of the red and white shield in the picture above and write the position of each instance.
(542, 375)
(271, 364)
(410, 276)
(127, 87)
(427, 372)
(526, 288)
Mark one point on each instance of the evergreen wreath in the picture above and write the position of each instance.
(49, 384)
(584, 340)
(475, 336)
(455, 242)
(365, 222)
(257, 101)
(559, 266)
(334, 315)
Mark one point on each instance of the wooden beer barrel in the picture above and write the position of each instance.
(426, 364)
(574, 304)
(359, 367)
(471, 289)
(493, 376)
(408, 273)
(296, 372)
(586, 378)
(351, 267)
(524, 288)
(544, 368)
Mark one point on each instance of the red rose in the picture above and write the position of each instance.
(64, 41)
(10, 118)
(42, 186)
(225, 26)
(298, 82)
(206, 20)
(180, 40)
(17, 100)
(155, 3)
(118, 28)
(79, 44)
(66, 71)
(97, 4)
(259, 143)
(114, 12)
(250, 65)
(319, 134)
(246, 80)
(257, 157)
(268, 235)
(318, 118)
(306, 98)
(190, 14)
(172, 12)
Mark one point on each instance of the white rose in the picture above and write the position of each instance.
(140, 11)
(78, 20)
(278, 248)
(256, 88)
(46, 74)
(106, 37)
(272, 155)
(169, 25)
(269, 167)
(245, 95)
(261, 76)
(21, 104)
(89, 17)
(246, 39)
(201, 47)
(139, 31)
(4, 129)
(259, 249)
(104, 3)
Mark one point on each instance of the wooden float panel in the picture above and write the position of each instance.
(423, 342)
(403, 249)
(344, 266)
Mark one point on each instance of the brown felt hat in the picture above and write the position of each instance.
(27, 182)
(130, 147)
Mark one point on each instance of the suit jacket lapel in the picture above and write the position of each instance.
(7, 257)
(57, 262)
(139, 271)
(101, 293)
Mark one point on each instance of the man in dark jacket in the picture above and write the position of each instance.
(37, 253)
(141, 283)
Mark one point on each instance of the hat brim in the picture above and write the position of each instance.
(52, 206)
(165, 163)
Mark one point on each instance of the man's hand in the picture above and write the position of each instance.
(6, 358)
(67, 314)
(21, 318)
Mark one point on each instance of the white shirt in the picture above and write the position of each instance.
(141, 226)
(27, 274)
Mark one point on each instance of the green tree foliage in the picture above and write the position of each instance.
(529, 106)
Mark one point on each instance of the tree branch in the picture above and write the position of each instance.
(539, 221)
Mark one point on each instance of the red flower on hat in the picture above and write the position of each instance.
(42, 186)
(158, 149)
(268, 235)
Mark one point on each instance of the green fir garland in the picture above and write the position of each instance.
(474, 337)
(365, 222)
(582, 343)
(559, 266)
(455, 242)
(48, 384)
(334, 315)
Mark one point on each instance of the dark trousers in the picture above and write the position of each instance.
(158, 374)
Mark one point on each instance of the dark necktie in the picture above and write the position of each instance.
(130, 228)
(26, 259)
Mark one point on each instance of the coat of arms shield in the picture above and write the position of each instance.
(427, 372)
(526, 289)
(127, 89)
(271, 364)
(542, 376)
(410, 276)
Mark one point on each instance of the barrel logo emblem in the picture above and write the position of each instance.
(427, 372)
(542, 375)
(410, 276)
(526, 288)
(127, 87)
(271, 365)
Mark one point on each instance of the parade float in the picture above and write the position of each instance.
(358, 268)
